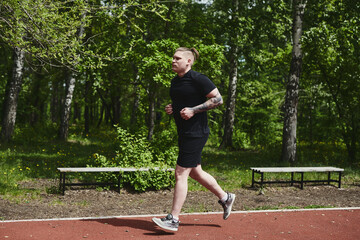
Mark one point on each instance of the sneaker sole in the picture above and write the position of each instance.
(230, 207)
(158, 222)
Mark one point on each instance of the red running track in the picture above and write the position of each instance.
(299, 224)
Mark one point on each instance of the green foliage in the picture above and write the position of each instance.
(136, 151)
(155, 61)
(48, 30)
(331, 82)
(45, 29)
(211, 61)
(259, 115)
(164, 144)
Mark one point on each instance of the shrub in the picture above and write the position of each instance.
(136, 151)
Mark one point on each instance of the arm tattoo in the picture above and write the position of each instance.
(209, 104)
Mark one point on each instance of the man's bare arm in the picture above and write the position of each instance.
(214, 101)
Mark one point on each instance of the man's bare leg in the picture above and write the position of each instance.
(181, 188)
(207, 181)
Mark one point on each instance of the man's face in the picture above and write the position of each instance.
(180, 61)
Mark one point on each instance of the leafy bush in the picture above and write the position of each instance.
(136, 151)
(164, 145)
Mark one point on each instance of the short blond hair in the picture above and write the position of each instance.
(192, 50)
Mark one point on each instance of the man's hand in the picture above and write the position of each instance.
(187, 113)
(169, 109)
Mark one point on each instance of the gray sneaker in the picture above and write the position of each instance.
(227, 205)
(167, 223)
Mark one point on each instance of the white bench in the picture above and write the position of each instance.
(292, 170)
(118, 170)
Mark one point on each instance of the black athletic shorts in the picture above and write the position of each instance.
(190, 149)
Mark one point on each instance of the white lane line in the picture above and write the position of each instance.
(184, 214)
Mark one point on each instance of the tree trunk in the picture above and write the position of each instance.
(136, 101)
(135, 107)
(36, 101)
(101, 114)
(106, 107)
(292, 89)
(233, 77)
(70, 87)
(231, 102)
(87, 104)
(65, 115)
(11, 96)
(152, 115)
(116, 109)
(55, 102)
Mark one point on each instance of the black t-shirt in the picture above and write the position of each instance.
(189, 91)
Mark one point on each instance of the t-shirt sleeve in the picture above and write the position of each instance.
(205, 84)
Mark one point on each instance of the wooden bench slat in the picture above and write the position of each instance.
(83, 169)
(297, 169)
(145, 169)
(111, 169)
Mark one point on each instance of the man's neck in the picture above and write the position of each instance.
(183, 73)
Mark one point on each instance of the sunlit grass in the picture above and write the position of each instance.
(22, 159)
(25, 160)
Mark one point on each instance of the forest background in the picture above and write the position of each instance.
(92, 78)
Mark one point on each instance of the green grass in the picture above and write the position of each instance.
(29, 158)
(23, 160)
(232, 168)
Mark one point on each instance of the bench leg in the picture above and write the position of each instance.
(339, 179)
(292, 178)
(262, 180)
(62, 183)
(329, 177)
(119, 178)
(252, 182)
(302, 181)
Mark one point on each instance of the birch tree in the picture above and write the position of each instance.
(11, 95)
(70, 87)
(233, 77)
(292, 88)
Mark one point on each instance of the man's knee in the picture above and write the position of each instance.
(181, 173)
(197, 174)
(194, 175)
